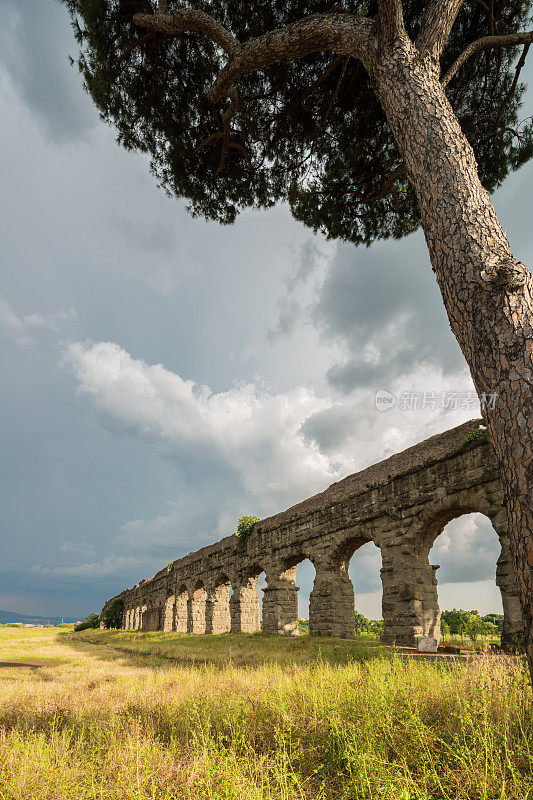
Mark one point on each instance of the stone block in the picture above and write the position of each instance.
(426, 644)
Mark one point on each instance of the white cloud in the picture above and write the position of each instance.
(244, 450)
(272, 441)
(256, 433)
(112, 565)
(77, 548)
(467, 550)
(281, 447)
(21, 327)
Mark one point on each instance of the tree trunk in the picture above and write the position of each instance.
(488, 294)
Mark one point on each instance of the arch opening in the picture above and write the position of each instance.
(304, 577)
(476, 588)
(364, 567)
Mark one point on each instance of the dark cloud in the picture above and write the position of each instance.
(35, 42)
(466, 550)
(88, 509)
(329, 429)
(293, 307)
(384, 307)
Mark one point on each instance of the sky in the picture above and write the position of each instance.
(163, 376)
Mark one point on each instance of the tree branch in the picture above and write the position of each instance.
(189, 20)
(133, 45)
(507, 40)
(437, 24)
(391, 20)
(334, 64)
(510, 93)
(344, 34)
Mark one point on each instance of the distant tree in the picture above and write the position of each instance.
(361, 623)
(376, 627)
(489, 628)
(473, 626)
(91, 621)
(112, 613)
(370, 118)
(456, 620)
(495, 619)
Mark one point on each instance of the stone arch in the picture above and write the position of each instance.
(245, 602)
(400, 504)
(280, 602)
(331, 604)
(143, 616)
(433, 521)
(170, 607)
(344, 549)
(505, 577)
(197, 607)
(217, 615)
(410, 598)
(181, 611)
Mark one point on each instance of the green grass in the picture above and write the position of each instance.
(138, 716)
(229, 649)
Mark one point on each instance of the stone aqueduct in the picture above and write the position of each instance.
(401, 504)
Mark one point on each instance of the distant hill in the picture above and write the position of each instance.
(13, 616)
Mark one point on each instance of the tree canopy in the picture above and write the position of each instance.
(310, 132)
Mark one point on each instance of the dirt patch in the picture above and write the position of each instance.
(29, 664)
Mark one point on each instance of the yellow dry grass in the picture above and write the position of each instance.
(312, 720)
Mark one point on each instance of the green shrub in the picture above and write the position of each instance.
(91, 621)
(245, 527)
(480, 434)
(112, 613)
(473, 627)
(361, 623)
(456, 620)
(376, 627)
(495, 619)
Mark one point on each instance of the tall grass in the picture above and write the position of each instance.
(333, 723)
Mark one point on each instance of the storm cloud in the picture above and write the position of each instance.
(163, 376)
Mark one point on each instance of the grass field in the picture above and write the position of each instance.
(138, 716)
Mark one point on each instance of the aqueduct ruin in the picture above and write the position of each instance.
(401, 504)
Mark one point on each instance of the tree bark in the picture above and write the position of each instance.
(487, 293)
